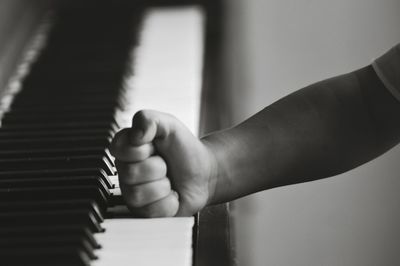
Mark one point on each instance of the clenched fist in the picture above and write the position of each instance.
(163, 169)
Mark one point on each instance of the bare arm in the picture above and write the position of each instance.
(319, 131)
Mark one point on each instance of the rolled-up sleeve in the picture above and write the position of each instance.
(387, 67)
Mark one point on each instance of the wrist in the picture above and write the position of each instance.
(221, 183)
(212, 169)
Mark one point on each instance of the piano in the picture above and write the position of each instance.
(86, 68)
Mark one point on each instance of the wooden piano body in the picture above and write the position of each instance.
(212, 231)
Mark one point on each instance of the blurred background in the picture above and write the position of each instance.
(276, 47)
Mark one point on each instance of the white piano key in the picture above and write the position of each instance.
(146, 242)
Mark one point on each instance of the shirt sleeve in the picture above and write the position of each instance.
(387, 67)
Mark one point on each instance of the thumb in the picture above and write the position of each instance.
(148, 125)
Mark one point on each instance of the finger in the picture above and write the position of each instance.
(123, 150)
(143, 194)
(148, 125)
(166, 207)
(151, 169)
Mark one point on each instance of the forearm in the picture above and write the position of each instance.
(322, 130)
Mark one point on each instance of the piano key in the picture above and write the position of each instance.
(56, 193)
(70, 82)
(64, 109)
(70, 65)
(39, 256)
(54, 230)
(70, 162)
(160, 241)
(65, 152)
(60, 126)
(46, 241)
(63, 142)
(79, 101)
(45, 134)
(47, 219)
(49, 206)
(116, 200)
(57, 173)
(54, 182)
(41, 92)
(13, 119)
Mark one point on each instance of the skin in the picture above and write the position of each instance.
(319, 131)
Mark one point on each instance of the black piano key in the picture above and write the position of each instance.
(10, 118)
(68, 83)
(46, 219)
(56, 95)
(65, 152)
(75, 72)
(56, 205)
(55, 193)
(71, 162)
(79, 67)
(45, 134)
(73, 100)
(46, 241)
(41, 153)
(54, 230)
(66, 109)
(61, 126)
(74, 97)
(54, 182)
(88, 102)
(39, 256)
(116, 200)
(57, 173)
(63, 142)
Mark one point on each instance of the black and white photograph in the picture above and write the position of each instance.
(199, 132)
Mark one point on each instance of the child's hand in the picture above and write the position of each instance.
(163, 169)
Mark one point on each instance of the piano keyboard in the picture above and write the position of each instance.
(59, 197)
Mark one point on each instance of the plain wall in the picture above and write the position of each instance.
(276, 47)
